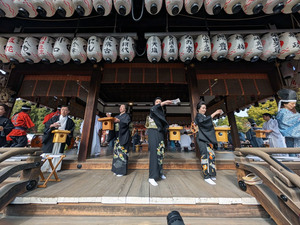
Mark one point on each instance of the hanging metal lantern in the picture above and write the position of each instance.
(297, 55)
(288, 46)
(219, 47)
(13, 50)
(174, 7)
(123, 7)
(26, 8)
(251, 7)
(153, 6)
(213, 7)
(102, 7)
(61, 50)
(94, 49)
(253, 47)
(291, 6)
(202, 47)
(64, 8)
(186, 48)
(110, 49)
(154, 49)
(271, 47)
(273, 6)
(83, 7)
(45, 8)
(30, 50)
(3, 57)
(170, 49)
(233, 6)
(78, 50)
(127, 49)
(45, 50)
(192, 6)
(236, 47)
(8, 9)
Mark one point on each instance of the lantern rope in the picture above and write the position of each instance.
(142, 13)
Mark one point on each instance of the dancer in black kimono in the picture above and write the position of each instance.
(157, 126)
(206, 138)
(121, 134)
(6, 125)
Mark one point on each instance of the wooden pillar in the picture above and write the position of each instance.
(89, 115)
(234, 130)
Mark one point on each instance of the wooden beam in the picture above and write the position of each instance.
(89, 115)
(234, 130)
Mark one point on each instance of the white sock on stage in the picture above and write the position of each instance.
(119, 175)
(210, 181)
(153, 182)
(213, 178)
(163, 177)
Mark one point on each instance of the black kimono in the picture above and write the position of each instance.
(48, 135)
(121, 134)
(156, 141)
(7, 128)
(206, 136)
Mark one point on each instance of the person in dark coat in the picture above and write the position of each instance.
(6, 125)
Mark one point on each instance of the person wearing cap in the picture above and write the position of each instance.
(251, 136)
(6, 125)
(288, 118)
(55, 112)
(22, 122)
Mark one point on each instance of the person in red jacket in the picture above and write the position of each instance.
(22, 122)
(56, 112)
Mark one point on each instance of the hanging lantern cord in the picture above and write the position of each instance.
(132, 11)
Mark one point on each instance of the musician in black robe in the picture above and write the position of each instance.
(157, 126)
(206, 140)
(121, 136)
(62, 122)
(6, 125)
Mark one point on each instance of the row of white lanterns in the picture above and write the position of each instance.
(66, 8)
(236, 47)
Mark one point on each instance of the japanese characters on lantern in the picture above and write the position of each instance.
(94, 49)
(154, 49)
(45, 50)
(78, 50)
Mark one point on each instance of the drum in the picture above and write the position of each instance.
(37, 141)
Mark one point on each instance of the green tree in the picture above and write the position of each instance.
(240, 122)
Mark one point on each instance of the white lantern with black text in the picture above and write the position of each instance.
(45, 50)
(26, 8)
(94, 49)
(78, 50)
(202, 47)
(83, 7)
(288, 46)
(233, 6)
(253, 48)
(45, 8)
(3, 57)
(219, 47)
(13, 50)
(127, 49)
(154, 49)
(102, 7)
(273, 6)
(61, 50)
(236, 47)
(251, 7)
(30, 50)
(123, 7)
(192, 6)
(170, 49)
(186, 48)
(174, 6)
(297, 56)
(8, 9)
(64, 8)
(213, 7)
(287, 70)
(110, 49)
(153, 6)
(271, 47)
(291, 6)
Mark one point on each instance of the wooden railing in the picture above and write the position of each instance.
(279, 192)
(29, 175)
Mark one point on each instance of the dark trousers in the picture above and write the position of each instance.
(19, 141)
(207, 160)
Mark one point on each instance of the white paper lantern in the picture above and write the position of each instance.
(8, 9)
(186, 48)
(202, 47)
(271, 47)
(174, 6)
(219, 47)
(232, 6)
(192, 6)
(251, 7)
(45, 8)
(297, 57)
(94, 49)
(291, 6)
(273, 6)
(83, 7)
(13, 50)
(153, 6)
(26, 8)
(102, 7)
(253, 47)
(236, 47)
(64, 8)
(287, 70)
(110, 49)
(61, 50)
(154, 49)
(78, 50)
(45, 50)
(127, 49)
(30, 50)
(170, 49)
(213, 7)
(3, 57)
(123, 7)
(288, 46)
